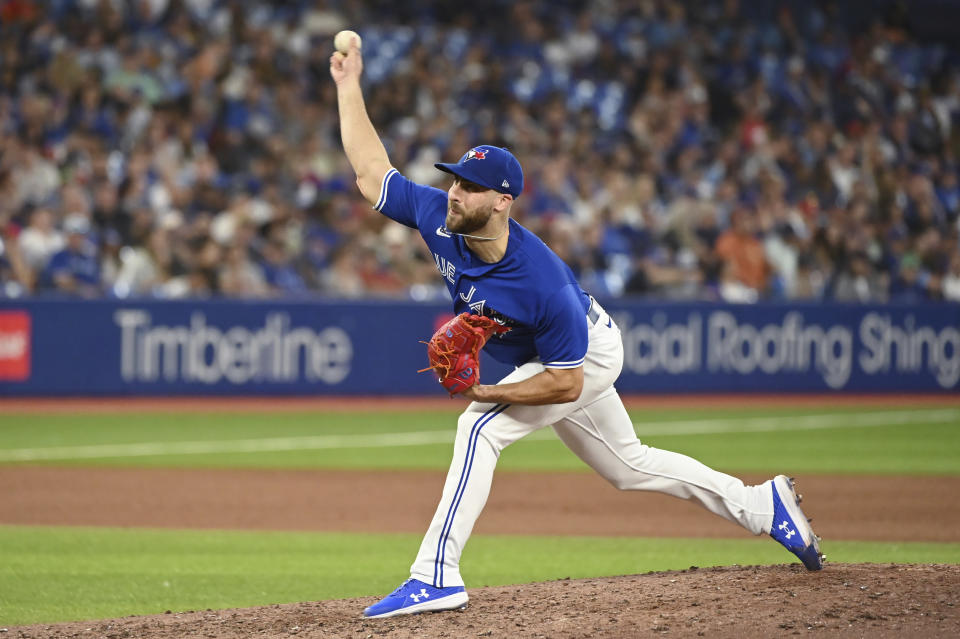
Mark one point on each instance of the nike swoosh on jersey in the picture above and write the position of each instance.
(442, 233)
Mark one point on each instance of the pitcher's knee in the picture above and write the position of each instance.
(625, 479)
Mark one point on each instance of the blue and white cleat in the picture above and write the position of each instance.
(414, 596)
(791, 527)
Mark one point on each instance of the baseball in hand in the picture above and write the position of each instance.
(341, 41)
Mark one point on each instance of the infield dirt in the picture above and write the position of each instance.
(844, 507)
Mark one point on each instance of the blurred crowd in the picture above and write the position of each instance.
(704, 150)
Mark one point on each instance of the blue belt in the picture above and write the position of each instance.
(592, 313)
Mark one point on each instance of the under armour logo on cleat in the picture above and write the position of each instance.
(423, 594)
(785, 526)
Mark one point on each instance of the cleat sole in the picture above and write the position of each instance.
(457, 601)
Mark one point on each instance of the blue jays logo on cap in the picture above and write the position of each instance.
(499, 171)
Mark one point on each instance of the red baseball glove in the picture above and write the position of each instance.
(454, 350)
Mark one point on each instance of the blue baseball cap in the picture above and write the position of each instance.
(489, 166)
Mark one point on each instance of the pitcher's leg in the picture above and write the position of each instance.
(602, 435)
(483, 430)
(464, 496)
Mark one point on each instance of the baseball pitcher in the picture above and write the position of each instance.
(518, 300)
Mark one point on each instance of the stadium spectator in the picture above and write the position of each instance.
(144, 268)
(279, 272)
(647, 127)
(951, 281)
(859, 281)
(40, 240)
(75, 270)
(240, 275)
(16, 277)
(744, 264)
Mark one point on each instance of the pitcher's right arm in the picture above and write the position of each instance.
(362, 144)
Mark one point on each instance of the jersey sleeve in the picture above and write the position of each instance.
(561, 337)
(405, 201)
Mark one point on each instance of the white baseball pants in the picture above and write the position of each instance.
(598, 429)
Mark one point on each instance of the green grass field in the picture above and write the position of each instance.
(60, 573)
(834, 440)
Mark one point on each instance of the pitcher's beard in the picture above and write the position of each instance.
(467, 222)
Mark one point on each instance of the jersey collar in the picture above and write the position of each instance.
(476, 266)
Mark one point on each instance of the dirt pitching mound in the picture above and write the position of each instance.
(847, 600)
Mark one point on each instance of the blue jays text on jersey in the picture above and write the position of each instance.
(530, 289)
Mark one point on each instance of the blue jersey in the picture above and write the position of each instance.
(530, 290)
(82, 265)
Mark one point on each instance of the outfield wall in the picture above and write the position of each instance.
(109, 347)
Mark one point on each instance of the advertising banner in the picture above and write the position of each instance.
(677, 348)
(108, 347)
